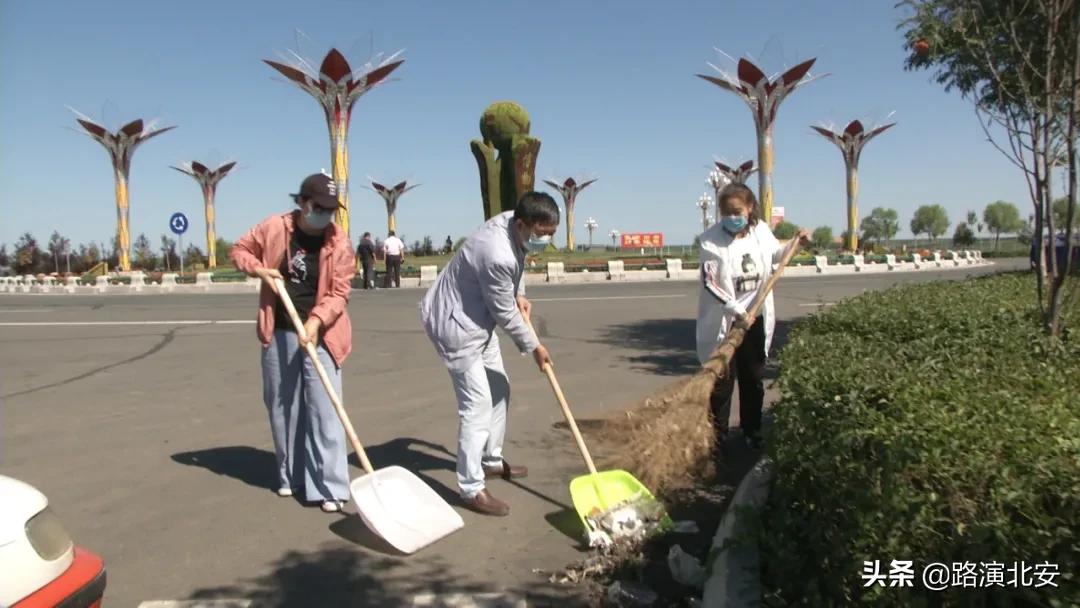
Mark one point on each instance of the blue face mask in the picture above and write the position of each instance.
(733, 224)
(318, 219)
(537, 244)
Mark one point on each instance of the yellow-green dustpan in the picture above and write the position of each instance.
(598, 491)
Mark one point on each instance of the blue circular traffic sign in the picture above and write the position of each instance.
(178, 223)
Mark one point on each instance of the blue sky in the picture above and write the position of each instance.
(610, 87)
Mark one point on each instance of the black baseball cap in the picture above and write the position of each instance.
(320, 188)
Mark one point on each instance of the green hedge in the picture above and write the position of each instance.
(931, 423)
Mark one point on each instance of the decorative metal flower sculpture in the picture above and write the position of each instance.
(121, 146)
(336, 86)
(851, 141)
(208, 181)
(569, 189)
(390, 196)
(763, 95)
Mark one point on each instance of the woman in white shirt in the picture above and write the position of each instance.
(737, 255)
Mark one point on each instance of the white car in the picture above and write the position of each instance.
(40, 566)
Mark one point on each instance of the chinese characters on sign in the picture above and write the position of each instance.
(939, 576)
(637, 240)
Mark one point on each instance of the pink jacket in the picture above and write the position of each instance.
(266, 245)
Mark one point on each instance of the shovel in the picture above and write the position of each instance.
(599, 492)
(394, 503)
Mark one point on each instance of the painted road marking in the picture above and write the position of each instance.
(647, 297)
(107, 323)
(197, 604)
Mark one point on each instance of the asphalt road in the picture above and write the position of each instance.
(144, 425)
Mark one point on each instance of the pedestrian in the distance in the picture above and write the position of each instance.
(395, 255)
(314, 257)
(483, 287)
(366, 253)
(737, 255)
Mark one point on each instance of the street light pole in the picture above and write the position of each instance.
(703, 203)
(590, 225)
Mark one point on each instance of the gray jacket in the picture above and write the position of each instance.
(476, 291)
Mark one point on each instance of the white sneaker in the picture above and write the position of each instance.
(332, 506)
(284, 492)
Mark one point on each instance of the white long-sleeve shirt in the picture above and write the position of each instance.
(733, 269)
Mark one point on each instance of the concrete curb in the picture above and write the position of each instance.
(555, 274)
(734, 572)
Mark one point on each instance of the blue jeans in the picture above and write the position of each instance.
(309, 441)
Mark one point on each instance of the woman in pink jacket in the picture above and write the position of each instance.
(314, 257)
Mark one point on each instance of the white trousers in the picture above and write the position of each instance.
(483, 394)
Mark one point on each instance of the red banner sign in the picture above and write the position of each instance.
(638, 240)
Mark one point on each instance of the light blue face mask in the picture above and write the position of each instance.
(733, 224)
(318, 219)
(537, 244)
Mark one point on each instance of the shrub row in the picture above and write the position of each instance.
(932, 423)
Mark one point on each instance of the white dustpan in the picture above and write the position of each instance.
(398, 506)
(394, 503)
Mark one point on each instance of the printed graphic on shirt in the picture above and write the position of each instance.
(749, 275)
(298, 267)
(710, 275)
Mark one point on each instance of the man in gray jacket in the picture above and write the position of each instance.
(483, 286)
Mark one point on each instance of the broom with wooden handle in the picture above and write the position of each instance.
(672, 441)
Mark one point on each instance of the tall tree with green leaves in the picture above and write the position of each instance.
(785, 230)
(1018, 62)
(1002, 218)
(144, 254)
(930, 220)
(881, 225)
(27, 254)
(822, 237)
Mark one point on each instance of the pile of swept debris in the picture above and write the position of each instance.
(649, 559)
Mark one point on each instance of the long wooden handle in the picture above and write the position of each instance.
(566, 409)
(763, 293)
(314, 355)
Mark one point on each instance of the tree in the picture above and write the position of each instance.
(113, 259)
(56, 249)
(458, 244)
(963, 236)
(27, 254)
(193, 256)
(930, 220)
(144, 254)
(5, 259)
(973, 220)
(881, 225)
(822, 237)
(1018, 61)
(168, 253)
(1002, 218)
(1061, 210)
(785, 230)
(221, 251)
(844, 237)
(90, 255)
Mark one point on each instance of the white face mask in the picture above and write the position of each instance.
(538, 243)
(318, 218)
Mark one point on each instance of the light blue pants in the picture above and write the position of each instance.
(483, 394)
(309, 441)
